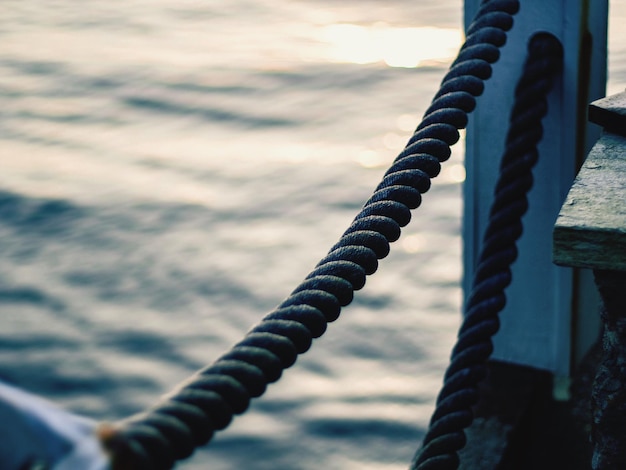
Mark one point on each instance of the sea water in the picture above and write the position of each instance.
(171, 170)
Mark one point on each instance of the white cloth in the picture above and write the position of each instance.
(35, 431)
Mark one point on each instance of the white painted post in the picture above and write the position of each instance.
(540, 326)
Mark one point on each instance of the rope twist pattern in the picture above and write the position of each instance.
(189, 417)
(467, 368)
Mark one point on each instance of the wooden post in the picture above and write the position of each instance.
(591, 232)
(539, 326)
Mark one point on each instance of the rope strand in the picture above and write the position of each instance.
(467, 368)
(158, 438)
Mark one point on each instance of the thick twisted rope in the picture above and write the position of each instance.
(467, 368)
(207, 402)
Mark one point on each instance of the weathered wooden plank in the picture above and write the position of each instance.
(590, 230)
(610, 113)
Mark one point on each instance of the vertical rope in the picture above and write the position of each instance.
(453, 413)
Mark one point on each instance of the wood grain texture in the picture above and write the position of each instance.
(590, 230)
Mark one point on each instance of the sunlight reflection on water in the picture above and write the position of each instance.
(393, 46)
(171, 169)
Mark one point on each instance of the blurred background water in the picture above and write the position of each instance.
(171, 170)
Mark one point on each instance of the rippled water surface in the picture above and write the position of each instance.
(171, 170)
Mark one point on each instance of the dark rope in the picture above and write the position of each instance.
(207, 402)
(467, 368)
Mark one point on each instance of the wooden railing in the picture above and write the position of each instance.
(590, 232)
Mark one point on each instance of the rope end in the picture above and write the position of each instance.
(116, 447)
